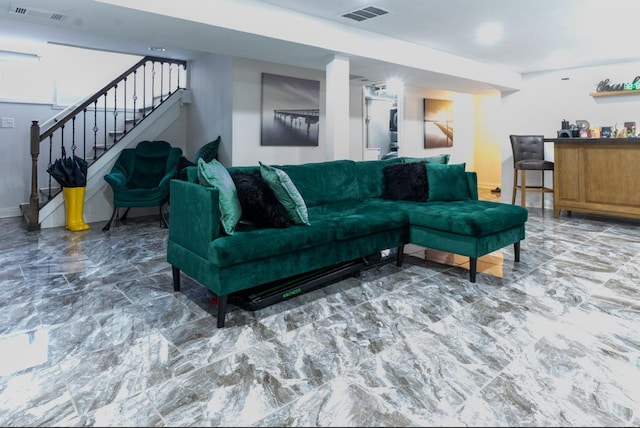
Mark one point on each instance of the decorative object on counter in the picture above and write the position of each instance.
(583, 127)
(570, 131)
(605, 132)
(630, 128)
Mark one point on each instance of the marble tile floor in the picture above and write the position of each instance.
(92, 334)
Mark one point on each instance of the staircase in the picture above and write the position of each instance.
(98, 128)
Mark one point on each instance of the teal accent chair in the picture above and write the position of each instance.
(140, 178)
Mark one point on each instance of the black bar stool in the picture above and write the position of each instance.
(528, 155)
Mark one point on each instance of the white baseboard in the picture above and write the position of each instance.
(10, 212)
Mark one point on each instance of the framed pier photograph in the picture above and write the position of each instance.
(438, 123)
(290, 111)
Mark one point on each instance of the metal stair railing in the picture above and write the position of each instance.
(97, 123)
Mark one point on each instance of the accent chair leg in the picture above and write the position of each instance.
(123, 218)
(176, 278)
(108, 225)
(516, 251)
(473, 268)
(400, 255)
(163, 219)
(222, 310)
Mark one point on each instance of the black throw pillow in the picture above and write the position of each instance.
(183, 162)
(258, 202)
(405, 181)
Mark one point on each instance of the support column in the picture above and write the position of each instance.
(337, 108)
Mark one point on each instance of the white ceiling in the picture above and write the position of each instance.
(538, 34)
(426, 42)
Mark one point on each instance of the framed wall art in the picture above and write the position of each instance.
(290, 111)
(438, 123)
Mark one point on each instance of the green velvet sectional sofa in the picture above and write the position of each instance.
(348, 219)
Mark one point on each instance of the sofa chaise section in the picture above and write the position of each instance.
(470, 228)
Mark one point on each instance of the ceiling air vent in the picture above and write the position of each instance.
(365, 13)
(39, 13)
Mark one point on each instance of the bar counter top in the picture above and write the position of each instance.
(593, 140)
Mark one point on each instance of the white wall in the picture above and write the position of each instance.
(488, 131)
(545, 100)
(356, 121)
(15, 153)
(210, 111)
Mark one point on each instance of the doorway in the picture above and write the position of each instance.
(380, 123)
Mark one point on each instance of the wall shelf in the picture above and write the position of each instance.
(614, 93)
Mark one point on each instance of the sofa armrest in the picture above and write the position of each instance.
(194, 216)
(472, 179)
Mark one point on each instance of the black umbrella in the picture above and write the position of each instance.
(69, 171)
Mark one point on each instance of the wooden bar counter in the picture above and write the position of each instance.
(597, 176)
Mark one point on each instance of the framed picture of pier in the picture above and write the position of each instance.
(290, 111)
(438, 123)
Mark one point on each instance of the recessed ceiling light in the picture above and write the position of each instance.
(489, 33)
(157, 48)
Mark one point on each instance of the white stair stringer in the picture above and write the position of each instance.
(98, 199)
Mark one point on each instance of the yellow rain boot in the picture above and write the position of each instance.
(74, 202)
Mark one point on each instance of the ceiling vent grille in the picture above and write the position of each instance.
(39, 13)
(365, 13)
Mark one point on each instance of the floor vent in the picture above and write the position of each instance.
(39, 13)
(365, 13)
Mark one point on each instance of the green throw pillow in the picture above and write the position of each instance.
(216, 175)
(286, 192)
(447, 182)
(442, 159)
(209, 151)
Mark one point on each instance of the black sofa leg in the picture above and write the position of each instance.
(108, 225)
(473, 267)
(176, 278)
(516, 251)
(222, 310)
(400, 255)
